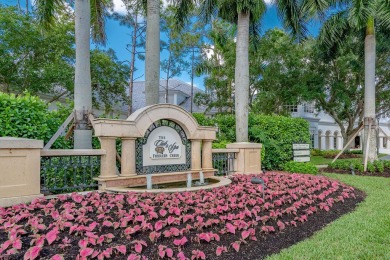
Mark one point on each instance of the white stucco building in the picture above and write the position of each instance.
(325, 132)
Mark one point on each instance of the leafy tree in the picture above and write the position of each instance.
(336, 82)
(281, 72)
(362, 18)
(43, 63)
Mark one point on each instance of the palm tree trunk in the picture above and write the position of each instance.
(132, 63)
(242, 77)
(369, 90)
(152, 57)
(82, 82)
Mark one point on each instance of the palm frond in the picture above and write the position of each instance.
(292, 16)
(46, 9)
(359, 13)
(98, 15)
(182, 10)
(382, 13)
(334, 30)
(208, 9)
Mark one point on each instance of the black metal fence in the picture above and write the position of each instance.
(224, 162)
(70, 173)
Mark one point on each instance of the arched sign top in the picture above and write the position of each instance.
(146, 116)
(136, 125)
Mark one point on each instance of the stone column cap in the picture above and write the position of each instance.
(20, 143)
(244, 145)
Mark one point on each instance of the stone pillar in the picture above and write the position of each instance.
(339, 142)
(323, 143)
(207, 155)
(248, 158)
(20, 166)
(128, 157)
(196, 155)
(331, 142)
(108, 161)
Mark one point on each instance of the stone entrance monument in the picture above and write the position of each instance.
(163, 141)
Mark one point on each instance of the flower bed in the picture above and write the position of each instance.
(230, 222)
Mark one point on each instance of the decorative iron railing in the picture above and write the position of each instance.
(69, 170)
(224, 161)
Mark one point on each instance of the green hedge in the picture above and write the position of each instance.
(357, 164)
(276, 133)
(298, 167)
(28, 117)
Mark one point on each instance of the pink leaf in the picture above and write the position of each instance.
(169, 252)
(32, 253)
(86, 252)
(158, 225)
(121, 248)
(281, 225)
(162, 212)
(107, 223)
(231, 228)
(171, 220)
(181, 256)
(245, 234)
(133, 257)
(17, 244)
(83, 243)
(220, 250)
(57, 257)
(180, 242)
(161, 253)
(51, 236)
(138, 248)
(236, 246)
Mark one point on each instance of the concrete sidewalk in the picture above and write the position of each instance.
(385, 158)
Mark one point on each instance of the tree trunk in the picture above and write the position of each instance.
(167, 81)
(192, 79)
(132, 63)
(26, 7)
(242, 77)
(82, 83)
(369, 91)
(152, 56)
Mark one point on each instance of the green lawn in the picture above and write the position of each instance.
(362, 234)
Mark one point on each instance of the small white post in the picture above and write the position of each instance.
(148, 181)
(201, 177)
(189, 180)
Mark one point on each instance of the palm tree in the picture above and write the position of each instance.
(246, 14)
(360, 17)
(85, 12)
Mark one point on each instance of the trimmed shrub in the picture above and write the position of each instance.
(28, 117)
(316, 152)
(298, 167)
(276, 133)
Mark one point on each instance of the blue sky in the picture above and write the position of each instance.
(119, 36)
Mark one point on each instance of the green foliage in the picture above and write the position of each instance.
(297, 167)
(276, 133)
(44, 62)
(316, 152)
(356, 164)
(28, 117)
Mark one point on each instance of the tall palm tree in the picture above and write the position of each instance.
(361, 17)
(246, 14)
(85, 12)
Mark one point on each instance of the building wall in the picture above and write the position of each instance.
(326, 134)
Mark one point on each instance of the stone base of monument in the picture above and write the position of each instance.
(158, 178)
(210, 183)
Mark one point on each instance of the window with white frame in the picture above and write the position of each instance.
(291, 108)
(309, 108)
(312, 138)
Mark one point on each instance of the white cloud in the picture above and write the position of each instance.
(119, 7)
(268, 2)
